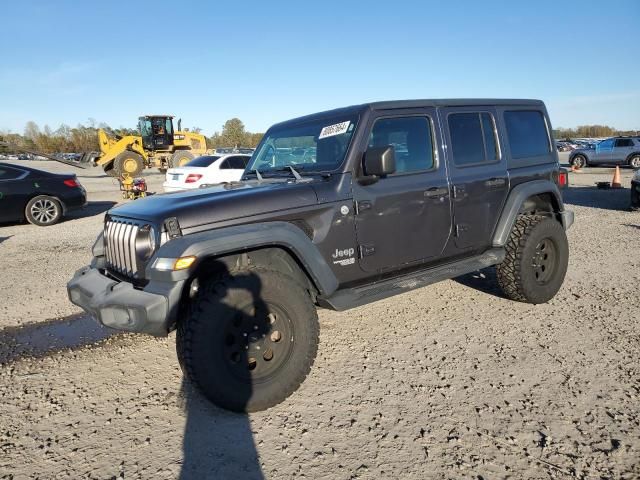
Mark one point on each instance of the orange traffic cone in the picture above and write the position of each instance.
(617, 181)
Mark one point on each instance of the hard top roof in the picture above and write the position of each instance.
(420, 103)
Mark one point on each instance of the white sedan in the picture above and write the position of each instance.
(208, 169)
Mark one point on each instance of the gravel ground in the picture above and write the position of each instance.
(449, 381)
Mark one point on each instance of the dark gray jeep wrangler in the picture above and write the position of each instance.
(335, 210)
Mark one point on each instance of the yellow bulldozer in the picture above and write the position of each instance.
(158, 145)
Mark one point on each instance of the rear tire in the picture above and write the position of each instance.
(634, 161)
(43, 211)
(180, 158)
(537, 255)
(128, 162)
(249, 339)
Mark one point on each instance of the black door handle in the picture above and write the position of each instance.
(436, 192)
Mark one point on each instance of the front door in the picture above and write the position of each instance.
(604, 151)
(404, 217)
(478, 174)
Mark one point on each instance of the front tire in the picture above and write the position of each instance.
(249, 340)
(128, 162)
(579, 161)
(537, 256)
(634, 161)
(43, 211)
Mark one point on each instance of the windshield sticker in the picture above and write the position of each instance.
(337, 129)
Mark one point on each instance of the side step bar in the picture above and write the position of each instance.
(355, 297)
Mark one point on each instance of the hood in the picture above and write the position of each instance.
(214, 204)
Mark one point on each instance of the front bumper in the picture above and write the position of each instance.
(635, 195)
(121, 306)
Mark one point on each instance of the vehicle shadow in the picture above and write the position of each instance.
(2, 239)
(485, 281)
(218, 443)
(90, 210)
(606, 199)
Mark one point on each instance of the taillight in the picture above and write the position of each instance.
(71, 182)
(563, 179)
(193, 177)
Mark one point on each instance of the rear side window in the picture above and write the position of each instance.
(624, 142)
(473, 138)
(238, 163)
(410, 138)
(527, 133)
(203, 161)
(7, 173)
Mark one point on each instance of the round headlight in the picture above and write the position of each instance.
(145, 242)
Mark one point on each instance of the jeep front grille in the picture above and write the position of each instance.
(120, 246)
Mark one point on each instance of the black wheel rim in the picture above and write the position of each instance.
(44, 210)
(258, 342)
(544, 261)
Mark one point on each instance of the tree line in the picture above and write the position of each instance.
(84, 137)
(591, 131)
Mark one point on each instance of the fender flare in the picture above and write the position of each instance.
(514, 202)
(227, 240)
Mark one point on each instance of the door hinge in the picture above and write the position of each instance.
(362, 206)
(367, 250)
(459, 191)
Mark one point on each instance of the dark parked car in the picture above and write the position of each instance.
(612, 151)
(40, 197)
(380, 209)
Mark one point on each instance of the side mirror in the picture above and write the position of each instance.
(380, 161)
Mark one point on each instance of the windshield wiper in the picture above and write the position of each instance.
(295, 173)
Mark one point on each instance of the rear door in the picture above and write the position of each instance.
(15, 191)
(478, 174)
(405, 217)
(622, 149)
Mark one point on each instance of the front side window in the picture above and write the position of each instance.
(605, 145)
(473, 138)
(318, 145)
(527, 133)
(411, 139)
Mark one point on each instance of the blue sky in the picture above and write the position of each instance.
(66, 61)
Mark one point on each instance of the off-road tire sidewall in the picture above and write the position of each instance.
(118, 162)
(201, 335)
(516, 275)
(31, 219)
(179, 156)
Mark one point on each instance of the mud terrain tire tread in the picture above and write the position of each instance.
(513, 281)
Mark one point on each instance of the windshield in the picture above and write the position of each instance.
(204, 161)
(320, 145)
